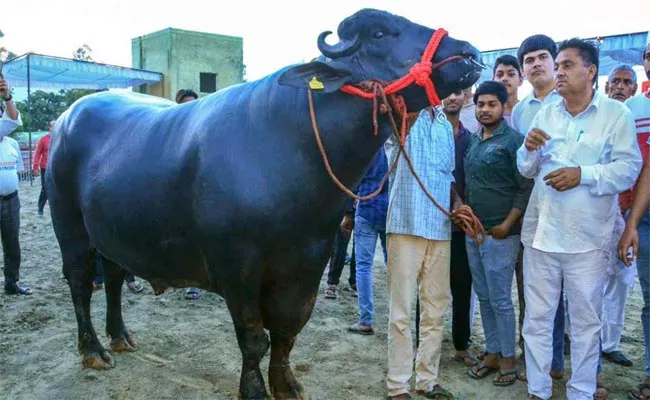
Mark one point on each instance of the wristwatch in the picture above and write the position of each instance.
(6, 99)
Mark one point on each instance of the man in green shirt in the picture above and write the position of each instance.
(498, 195)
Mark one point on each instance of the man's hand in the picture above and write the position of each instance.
(500, 231)
(346, 225)
(630, 238)
(535, 139)
(563, 179)
(4, 88)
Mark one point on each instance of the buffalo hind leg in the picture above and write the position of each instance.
(121, 339)
(78, 268)
(283, 383)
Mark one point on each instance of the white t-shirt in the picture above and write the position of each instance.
(11, 162)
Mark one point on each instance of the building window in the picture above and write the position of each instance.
(208, 82)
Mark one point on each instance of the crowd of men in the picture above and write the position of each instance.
(557, 179)
(553, 179)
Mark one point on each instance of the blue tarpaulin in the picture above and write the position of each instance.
(614, 50)
(64, 73)
(48, 72)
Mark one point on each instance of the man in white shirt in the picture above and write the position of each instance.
(582, 152)
(11, 162)
(621, 85)
(536, 56)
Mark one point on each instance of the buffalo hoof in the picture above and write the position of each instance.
(284, 384)
(252, 386)
(100, 359)
(123, 345)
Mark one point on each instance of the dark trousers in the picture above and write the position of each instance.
(9, 229)
(337, 260)
(461, 291)
(42, 198)
(99, 272)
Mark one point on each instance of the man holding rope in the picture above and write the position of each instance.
(419, 237)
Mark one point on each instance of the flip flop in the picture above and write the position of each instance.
(468, 360)
(476, 374)
(498, 382)
(438, 392)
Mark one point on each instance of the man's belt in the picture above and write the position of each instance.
(9, 196)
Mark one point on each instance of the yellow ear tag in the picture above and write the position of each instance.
(315, 84)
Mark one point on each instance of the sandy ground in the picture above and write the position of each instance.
(187, 349)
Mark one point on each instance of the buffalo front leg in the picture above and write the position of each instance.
(281, 379)
(121, 338)
(78, 267)
(253, 344)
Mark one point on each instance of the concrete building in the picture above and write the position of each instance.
(203, 62)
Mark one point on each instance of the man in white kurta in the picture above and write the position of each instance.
(582, 152)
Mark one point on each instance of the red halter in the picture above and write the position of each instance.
(419, 74)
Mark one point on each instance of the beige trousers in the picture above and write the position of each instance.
(415, 262)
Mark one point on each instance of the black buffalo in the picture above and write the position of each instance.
(229, 193)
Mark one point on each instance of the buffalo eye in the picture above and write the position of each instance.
(378, 35)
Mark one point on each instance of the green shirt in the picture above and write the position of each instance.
(493, 185)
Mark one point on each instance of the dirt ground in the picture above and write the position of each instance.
(187, 349)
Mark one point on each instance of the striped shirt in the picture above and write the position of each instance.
(430, 144)
(640, 107)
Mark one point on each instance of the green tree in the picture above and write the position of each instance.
(83, 53)
(45, 107)
(4, 53)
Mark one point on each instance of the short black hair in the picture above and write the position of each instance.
(536, 43)
(587, 51)
(183, 93)
(509, 60)
(495, 88)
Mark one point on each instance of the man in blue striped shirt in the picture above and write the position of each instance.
(419, 236)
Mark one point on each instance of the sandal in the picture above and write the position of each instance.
(521, 375)
(18, 288)
(469, 360)
(477, 373)
(500, 381)
(135, 286)
(437, 392)
(642, 392)
(330, 292)
(192, 293)
(361, 329)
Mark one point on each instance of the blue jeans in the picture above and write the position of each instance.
(365, 242)
(493, 267)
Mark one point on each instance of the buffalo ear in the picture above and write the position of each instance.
(319, 76)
